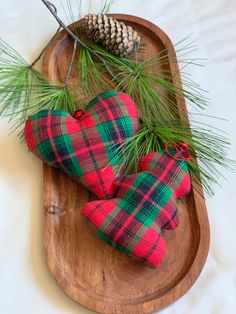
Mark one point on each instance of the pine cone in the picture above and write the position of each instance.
(115, 36)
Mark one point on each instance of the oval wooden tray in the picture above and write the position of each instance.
(87, 269)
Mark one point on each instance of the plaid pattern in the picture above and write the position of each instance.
(85, 149)
(144, 205)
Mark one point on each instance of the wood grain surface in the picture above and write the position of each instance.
(87, 269)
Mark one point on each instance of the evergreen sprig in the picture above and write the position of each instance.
(24, 90)
(92, 77)
(155, 93)
(206, 144)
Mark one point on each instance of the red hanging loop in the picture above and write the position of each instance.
(180, 148)
(78, 114)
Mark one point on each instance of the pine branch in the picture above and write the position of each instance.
(205, 145)
(52, 10)
(23, 90)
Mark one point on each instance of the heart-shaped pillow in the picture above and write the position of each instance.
(86, 148)
(145, 204)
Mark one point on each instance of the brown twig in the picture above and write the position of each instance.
(71, 63)
(51, 7)
(44, 49)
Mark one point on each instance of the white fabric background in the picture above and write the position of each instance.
(25, 284)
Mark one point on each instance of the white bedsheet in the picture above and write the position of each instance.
(25, 284)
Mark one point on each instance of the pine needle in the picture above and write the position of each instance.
(106, 6)
(72, 9)
(91, 74)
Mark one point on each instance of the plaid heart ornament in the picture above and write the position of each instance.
(145, 204)
(86, 148)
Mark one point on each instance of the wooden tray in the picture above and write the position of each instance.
(87, 269)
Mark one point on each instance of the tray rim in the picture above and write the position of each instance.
(204, 233)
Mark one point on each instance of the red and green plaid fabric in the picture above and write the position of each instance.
(85, 149)
(144, 205)
(133, 210)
